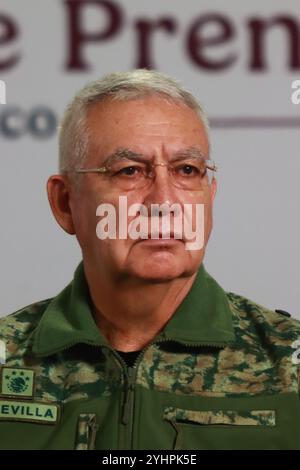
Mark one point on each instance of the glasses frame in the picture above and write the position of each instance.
(210, 164)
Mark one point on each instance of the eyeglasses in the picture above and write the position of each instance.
(193, 173)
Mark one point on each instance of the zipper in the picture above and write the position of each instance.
(128, 395)
(127, 417)
(130, 374)
(127, 405)
(130, 381)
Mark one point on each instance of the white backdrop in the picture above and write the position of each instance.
(254, 248)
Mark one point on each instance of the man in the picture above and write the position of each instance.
(143, 349)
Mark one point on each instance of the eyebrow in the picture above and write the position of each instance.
(122, 154)
(127, 154)
(190, 152)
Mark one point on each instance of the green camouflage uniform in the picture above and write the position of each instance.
(219, 376)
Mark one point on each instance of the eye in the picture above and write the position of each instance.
(128, 171)
(188, 170)
(191, 169)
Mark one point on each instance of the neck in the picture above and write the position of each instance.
(130, 314)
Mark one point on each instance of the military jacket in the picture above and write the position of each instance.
(221, 374)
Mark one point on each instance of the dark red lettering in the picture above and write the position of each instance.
(258, 28)
(145, 29)
(79, 37)
(8, 33)
(197, 43)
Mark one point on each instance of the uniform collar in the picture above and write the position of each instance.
(203, 318)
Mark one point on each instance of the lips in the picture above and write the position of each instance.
(161, 236)
(160, 241)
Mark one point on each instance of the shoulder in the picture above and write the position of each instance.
(264, 325)
(16, 328)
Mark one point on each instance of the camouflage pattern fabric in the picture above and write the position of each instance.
(86, 431)
(231, 417)
(216, 345)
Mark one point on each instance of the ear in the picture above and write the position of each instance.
(213, 189)
(58, 189)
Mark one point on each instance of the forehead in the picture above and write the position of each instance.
(148, 125)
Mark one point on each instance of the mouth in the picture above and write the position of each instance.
(161, 236)
(161, 242)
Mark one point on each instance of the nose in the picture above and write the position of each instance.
(161, 189)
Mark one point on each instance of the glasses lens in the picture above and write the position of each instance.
(191, 174)
(128, 175)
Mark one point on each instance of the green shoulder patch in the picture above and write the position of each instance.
(16, 381)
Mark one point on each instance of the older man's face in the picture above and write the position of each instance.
(157, 130)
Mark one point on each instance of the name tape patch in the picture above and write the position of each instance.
(13, 410)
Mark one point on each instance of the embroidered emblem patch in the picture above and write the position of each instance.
(17, 382)
(12, 410)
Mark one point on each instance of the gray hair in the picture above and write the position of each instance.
(122, 86)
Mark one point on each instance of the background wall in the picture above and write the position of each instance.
(240, 69)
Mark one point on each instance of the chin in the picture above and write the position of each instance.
(160, 267)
